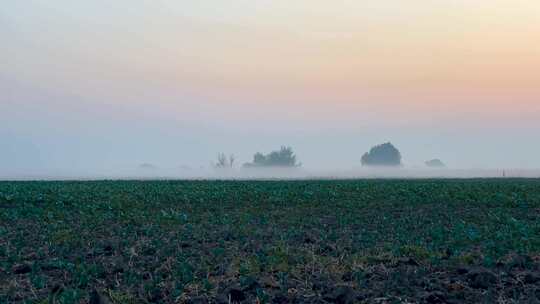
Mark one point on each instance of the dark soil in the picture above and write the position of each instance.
(425, 241)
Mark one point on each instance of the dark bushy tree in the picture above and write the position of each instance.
(382, 155)
(282, 158)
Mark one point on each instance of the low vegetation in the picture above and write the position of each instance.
(435, 163)
(368, 241)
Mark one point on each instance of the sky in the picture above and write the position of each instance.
(94, 86)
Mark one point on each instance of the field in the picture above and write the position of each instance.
(350, 241)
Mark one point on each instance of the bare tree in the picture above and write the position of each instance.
(232, 158)
(224, 162)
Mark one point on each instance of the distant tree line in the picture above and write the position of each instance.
(383, 155)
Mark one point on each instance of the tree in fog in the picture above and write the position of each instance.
(435, 163)
(259, 159)
(224, 162)
(382, 155)
(284, 157)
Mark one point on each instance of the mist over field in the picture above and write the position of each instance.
(279, 173)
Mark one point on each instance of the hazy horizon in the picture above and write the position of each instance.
(99, 88)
